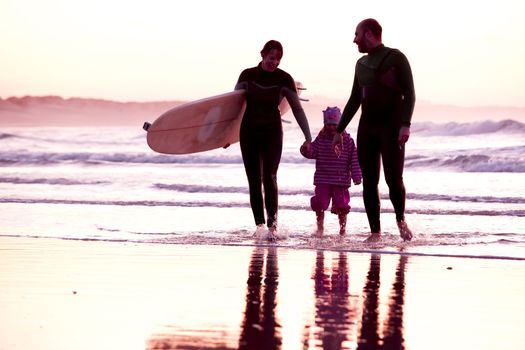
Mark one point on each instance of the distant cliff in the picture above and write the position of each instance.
(57, 111)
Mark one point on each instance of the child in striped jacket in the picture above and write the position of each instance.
(334, 171)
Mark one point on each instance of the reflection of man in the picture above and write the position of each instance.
(393, 338)
(384, 89)
(332, 302)
(369, 338)
(259, 324)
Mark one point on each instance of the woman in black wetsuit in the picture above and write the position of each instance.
(261, 135)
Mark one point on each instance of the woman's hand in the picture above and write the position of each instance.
(306, 146)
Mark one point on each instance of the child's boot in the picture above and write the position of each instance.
(342, 224)
(320, 222)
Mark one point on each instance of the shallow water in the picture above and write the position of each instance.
(106, 184)
(121, 295)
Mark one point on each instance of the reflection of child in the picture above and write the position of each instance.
(333, 171)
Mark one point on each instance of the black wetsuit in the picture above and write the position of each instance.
(384, 89)
(261, 135)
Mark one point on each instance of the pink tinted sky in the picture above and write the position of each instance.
(467, 53)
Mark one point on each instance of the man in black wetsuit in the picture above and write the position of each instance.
(261, 134)
(384, 89)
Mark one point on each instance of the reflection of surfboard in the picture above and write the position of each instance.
(201, 125)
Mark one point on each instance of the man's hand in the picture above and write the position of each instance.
(404, 134)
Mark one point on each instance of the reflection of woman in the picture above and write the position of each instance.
(261, 135)
(259, 324)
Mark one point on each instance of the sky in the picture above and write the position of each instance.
(462, 52)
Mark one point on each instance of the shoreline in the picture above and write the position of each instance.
(325, 244)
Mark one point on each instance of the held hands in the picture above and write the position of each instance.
(306, 146)
(404, 134)
(337, 144)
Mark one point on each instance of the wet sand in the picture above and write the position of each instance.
(68, 294)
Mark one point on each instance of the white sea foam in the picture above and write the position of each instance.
(473, 128)
(464, 191)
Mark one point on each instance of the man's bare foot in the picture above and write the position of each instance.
(404, 231)
(342, 231)
(374, 237)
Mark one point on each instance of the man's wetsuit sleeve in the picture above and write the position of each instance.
(351, 106)
(406, 82)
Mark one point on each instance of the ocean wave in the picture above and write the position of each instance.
(87, 147)
(64, 136)
(224, 189)
(283, 191)
(245, 204)
(509, 159)
(4, 136)
(502, 160)
(50, 158)
(48, 181)
(463, 129)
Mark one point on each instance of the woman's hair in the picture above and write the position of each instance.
(271, 45)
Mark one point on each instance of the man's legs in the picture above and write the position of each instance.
(393, 161)
(368, 154)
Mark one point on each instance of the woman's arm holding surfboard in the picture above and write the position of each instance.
(242, 85)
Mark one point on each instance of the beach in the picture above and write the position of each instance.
(77, 294)
(108, 245)
(109, 241)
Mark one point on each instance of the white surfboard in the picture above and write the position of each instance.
(201, 125)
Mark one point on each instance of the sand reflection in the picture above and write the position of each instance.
(341, 320)
(369, 336)
(333, 312)
(345, 321)
(367, 315)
